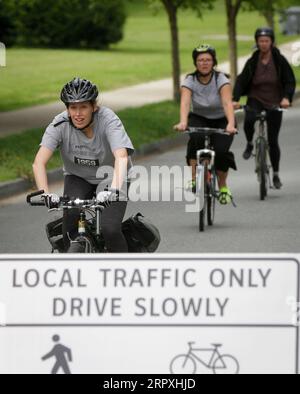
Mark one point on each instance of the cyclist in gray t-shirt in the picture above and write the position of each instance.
(96, 153)
(206, 101)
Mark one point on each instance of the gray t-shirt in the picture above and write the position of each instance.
(206, 99)
(90, 159)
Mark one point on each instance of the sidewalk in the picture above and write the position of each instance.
(14, 122)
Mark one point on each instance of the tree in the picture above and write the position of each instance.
(70, 23)
(172, 7)
(7, 22)
(232, 9)
(268, 8)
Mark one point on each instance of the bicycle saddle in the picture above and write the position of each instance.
(216, 345)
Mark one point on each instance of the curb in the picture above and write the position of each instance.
(18, 186)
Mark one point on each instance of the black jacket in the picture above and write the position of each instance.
(284, 70)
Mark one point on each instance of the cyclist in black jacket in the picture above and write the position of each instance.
(269, 82)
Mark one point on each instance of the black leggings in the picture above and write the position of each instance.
(274, 122)
(224, 158)
(111, 220)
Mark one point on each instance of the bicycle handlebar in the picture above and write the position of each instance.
(245, 108)
(64, 202)
(207, 131)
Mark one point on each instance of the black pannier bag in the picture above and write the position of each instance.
(54, 232)
(141, 235)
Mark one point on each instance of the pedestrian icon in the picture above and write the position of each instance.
(63, 356)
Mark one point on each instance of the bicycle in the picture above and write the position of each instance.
(90, 238)
(218, 363)
(262, 152)
(206, 177)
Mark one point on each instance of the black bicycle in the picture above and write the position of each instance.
(262, 151)
(90, 238)
(141, 235)
(206, 179)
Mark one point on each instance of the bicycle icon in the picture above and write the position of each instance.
(224, 364)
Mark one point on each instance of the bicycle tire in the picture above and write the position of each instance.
(79, 246)
(211, 201)
(262, 169)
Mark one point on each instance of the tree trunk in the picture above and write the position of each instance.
(172, 14)
(232, 9)
(269, 14)
(270, 18)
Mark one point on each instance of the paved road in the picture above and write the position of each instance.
(271, 226)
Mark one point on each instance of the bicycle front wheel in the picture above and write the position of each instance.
(183, 365)
(226, 365)
(262, 169)
(203, 211)
(81, 245)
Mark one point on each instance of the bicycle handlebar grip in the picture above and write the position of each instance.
(34, 194)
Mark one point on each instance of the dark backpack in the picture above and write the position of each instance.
(141, 235)
(55, 235)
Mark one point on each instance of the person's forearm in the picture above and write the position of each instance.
(184, 111)
(229, 111)
(41, 178)
(120, 173)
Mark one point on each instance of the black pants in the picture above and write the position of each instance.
(111, 220)
(274, 122)
(221, 144)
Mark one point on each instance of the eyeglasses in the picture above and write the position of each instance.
(205, 61)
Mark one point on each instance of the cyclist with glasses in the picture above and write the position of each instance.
(269, 82)
(91, 140)
(206, 101)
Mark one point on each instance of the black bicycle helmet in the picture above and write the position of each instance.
(204, 49)
(78, 91)
(265, 32)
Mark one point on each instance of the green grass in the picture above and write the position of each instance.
(297, 74)
(35, 76)
(144, 125)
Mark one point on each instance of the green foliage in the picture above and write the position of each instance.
(69, 23)
(7, 22)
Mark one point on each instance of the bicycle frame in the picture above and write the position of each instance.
(215, 355)
(204, 155)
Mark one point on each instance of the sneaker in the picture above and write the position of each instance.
(191, 186)
(277, 182)
(248, 152)
(225, 196)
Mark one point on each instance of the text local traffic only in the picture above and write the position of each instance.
(178, 303)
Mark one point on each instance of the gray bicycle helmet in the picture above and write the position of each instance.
(265, 32)
(78, 91)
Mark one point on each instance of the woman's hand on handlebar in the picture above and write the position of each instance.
(231, 129)
(285, 103)
(182, 126)
(51, 200)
